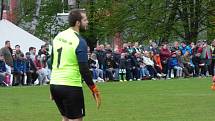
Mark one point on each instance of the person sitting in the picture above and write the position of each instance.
(187, 62)
(41, 71)
(94, 67)
(3, 71)
(19, 70)
(174, 64)
(30, 69)
(150, 65)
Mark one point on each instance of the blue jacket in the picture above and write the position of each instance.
(173, 61)
(184, 49)
(2, 66)
(19, 65)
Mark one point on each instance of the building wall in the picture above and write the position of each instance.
(10, 10)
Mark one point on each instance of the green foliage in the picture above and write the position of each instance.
(27, 10)
(49, 25)
(137, 20)
(165, 20)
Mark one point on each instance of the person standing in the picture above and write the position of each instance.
(7, 52)
(69, 65)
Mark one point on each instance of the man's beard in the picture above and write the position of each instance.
(82, 28)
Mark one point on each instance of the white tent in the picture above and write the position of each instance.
(18, 36)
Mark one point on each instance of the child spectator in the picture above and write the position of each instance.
(19, 70)
(122, 68)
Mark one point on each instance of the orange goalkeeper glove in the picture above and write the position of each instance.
(96, 95)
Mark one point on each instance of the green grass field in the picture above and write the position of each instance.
(162, 100)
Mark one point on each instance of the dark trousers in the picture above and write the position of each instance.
(151, 70)
(136, 73)
(18, 78)
(31, 77)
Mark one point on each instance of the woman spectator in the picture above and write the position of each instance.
(94, 67)
(42, 73)
(150, 65)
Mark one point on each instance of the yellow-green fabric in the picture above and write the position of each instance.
(67, 71)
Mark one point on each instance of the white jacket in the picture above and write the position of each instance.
(148, 61)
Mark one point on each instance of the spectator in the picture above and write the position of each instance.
(136, 67)
(188, 65)
(19, 70)
(110, 65)
(32, 51)
(30, 70)
(108, 48)
(175, 47)
(205, 56)
(18, 52)
(174, 64)
(150, 65)
(42, 74)
(136, 48)
(164, 56)
(185, 48)
(44, 51)
(3, 71)
(100, 53)
(130, 64)
(7, 52)
(196, 57)
(94, 67)
(116, 58)
(144, 73)
(122, 68)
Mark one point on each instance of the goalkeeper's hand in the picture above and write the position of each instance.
(96, 95)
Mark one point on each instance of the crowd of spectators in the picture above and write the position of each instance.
(154, 61)
(129, 63)
(29, 68)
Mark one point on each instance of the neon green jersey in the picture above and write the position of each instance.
(65, 68)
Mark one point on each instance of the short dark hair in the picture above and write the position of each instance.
(31, 48)
(27, 53)
(17, 46)
(74, 16)
(7, 42)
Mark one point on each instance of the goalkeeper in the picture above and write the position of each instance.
(69, 64)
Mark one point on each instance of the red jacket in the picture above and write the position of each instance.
(164, 54)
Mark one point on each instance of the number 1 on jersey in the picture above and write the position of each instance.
(59, 51)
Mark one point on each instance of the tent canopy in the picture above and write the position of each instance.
(18, 36)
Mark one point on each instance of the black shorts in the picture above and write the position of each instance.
(69, 100)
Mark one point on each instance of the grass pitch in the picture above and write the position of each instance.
(163, 100)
